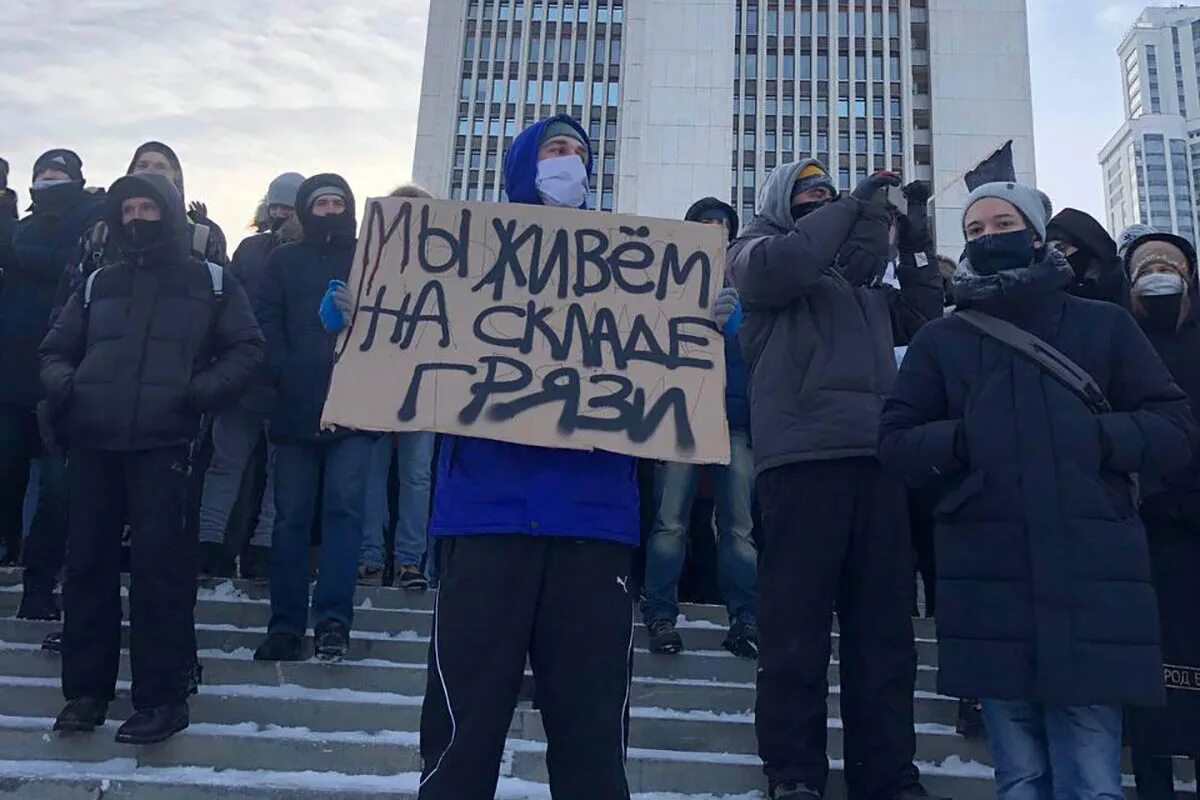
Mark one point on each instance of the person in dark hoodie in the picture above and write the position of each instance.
(1166, 303)
(536, 552)
(139, 352)
(675, 488)
(1046, 610)
(818, 336)
(159, 159)
(1092, 254)
(41, 246)
(307, 459)
(236, 432)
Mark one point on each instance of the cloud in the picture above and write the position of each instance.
(305, 85)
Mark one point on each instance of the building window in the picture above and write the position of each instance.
(463, 126)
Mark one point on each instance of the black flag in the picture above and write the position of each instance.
(996, 167)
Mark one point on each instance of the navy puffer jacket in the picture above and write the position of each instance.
(1044, 583)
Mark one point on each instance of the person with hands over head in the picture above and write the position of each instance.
(818, 336)
(141, 350)
(1046, 606)
(675, 487)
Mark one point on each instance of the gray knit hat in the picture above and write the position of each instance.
(321, 191)
(1026, 199)
(282, 191)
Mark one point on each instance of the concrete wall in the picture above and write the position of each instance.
(981, 97)
(677, 94)
(439, 93)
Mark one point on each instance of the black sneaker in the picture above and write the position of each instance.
(792, 791)
(40, 607)
(153, 725)
(255, 563)
(664, 639)
(81, 715)
(53, 642)
(742, 639)
(970, 720)
(369, 574)
(331, 641)
(410, 577)
(280, 647)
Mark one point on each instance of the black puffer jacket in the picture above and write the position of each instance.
(819, 350)
(155, 347)
(299, 349)
(1044, 586)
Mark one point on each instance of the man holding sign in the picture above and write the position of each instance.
(552, 347)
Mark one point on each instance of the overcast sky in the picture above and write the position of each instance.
(311, 85)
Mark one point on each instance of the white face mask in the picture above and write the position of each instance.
(563, 182)
(1159, 284)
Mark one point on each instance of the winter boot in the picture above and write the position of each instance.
(53, 642)
(215, 562)
(255, 563)
(280, 647)
(153, 725)
(369, 574)
(39, 606)
(664, 639)
(331, 640)
(81, 715)
(792, 791)
(410, 577)
(742, 640)
(970, 720)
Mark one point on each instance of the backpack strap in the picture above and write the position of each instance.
(1054, 363)
(217, 275)
(200, 234)
(87, 287)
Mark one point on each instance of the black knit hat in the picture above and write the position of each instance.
(67, 161)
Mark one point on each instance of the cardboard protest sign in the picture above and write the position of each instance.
(535, 325)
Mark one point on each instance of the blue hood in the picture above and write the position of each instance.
(520, 162)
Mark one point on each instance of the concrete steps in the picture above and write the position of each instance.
(349, 730)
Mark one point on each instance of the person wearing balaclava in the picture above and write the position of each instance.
(540, 544)
(1046, 605)
(41, 245)
(159, 159)
(818, 334)
(138, 354)
(1162, 270)
(236, 433)
(299, 366)
(1092, 254)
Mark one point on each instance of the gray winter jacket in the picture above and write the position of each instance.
(819, 350)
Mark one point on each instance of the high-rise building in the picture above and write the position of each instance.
(1151, 166)
(686, 98)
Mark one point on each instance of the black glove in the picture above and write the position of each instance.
(917, 193)
(873, 184)
(198, 212)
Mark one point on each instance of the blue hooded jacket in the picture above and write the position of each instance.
(490, 487)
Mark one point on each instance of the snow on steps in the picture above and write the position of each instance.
(308, 730)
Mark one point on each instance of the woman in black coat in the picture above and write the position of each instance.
(1166, 302)
(1046, 608)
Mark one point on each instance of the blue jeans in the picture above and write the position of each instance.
(235, 433)
(1054, 752)
(737, 557)
(298, 470)
(414, 465)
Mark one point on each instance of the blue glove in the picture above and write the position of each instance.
(331, 317)
(727, 311)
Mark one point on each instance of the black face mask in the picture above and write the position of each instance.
(1080, 260)
(998, 252)
(56, 199)
(1161, 312)
(144, 236)
(801, 210)
(330, 225)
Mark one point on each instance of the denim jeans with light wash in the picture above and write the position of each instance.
(1054, 752)
(414, 466)
(298, 471)
(234, 435)
(737, 556)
